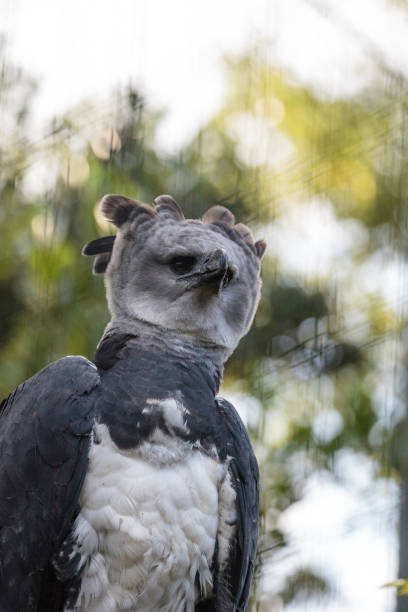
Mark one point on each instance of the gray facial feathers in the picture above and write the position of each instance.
(195, 277)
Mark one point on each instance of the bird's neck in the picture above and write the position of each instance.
(182, 356)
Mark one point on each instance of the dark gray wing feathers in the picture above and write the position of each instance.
(245, 479)
(45, 430)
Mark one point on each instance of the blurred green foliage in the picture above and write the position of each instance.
(272, 146)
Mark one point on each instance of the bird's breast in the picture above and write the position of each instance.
(148, 524)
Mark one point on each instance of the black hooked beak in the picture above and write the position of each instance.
(214, 271)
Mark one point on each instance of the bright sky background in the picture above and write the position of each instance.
(172, 50)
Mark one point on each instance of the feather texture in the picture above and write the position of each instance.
(100, 245)
(219, 214)
(166, 205)
(127, 484)
(45, 429)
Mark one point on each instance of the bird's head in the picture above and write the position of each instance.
(195, 277)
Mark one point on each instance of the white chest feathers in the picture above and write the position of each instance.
(148, 525)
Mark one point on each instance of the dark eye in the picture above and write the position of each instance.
(229, 275)
(182, 264)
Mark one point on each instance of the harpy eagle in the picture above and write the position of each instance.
(126, 483)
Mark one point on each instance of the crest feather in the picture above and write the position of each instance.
(244, 232)
(118, 209)
(101, 263)
(219, 214)
(167, 205)
(99, 245)
(260, 248)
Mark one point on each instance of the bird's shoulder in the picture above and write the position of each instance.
(47, 414)
(46, 392)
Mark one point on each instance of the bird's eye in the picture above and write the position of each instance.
(182, 264)
(229, 275)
